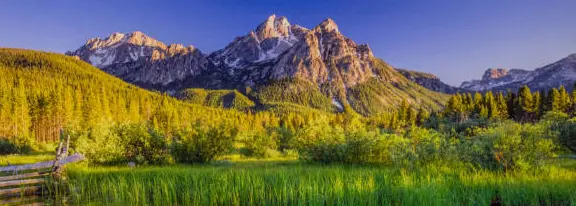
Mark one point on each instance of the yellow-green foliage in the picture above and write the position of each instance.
(388, 90)
(373, 97)
(293, 91)
(217, 98)
(41, 93)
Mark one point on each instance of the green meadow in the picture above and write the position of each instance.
(293, 183)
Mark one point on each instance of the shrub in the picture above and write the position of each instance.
(7, 147)
(201, 145)
(320, 142)
(100, 145)
(286, 139)
(143, 145)
(509, 146)
(425, 146)
(260, 145)
(564, 127)
(122, 143)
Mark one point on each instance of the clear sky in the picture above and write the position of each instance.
(456, 40)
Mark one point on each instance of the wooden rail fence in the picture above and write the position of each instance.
(33, 179)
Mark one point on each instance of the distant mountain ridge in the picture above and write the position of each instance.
(562, 72)
(140, 59)
(429, 81)
(316, 67)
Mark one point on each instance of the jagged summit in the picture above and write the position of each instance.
(328, 25)
(273, 27)
(264, 44)
(495, 73)
(141, 59)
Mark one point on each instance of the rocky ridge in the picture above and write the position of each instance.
(562, 72)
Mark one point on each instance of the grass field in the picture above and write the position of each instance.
(290, 182)
(294, 183)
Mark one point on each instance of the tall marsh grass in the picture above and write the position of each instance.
(292, 183)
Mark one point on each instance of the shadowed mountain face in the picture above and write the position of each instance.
(319, 60)
(562, 72)
(429, 81)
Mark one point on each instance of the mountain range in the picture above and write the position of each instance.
(283, 62)
(562, 72)
(275, 62)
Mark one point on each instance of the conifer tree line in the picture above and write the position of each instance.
(523, 106)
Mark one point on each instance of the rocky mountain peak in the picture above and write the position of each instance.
(140, 59)
(273, 27)
(494, 73)
(327, 26)
(264, 44)
(141, 39)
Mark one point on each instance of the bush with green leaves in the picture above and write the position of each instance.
(100, 145)
(564, 127)
(143, 144)
(116, 144)
(509, 146)
(15, 146)
(201, 144)
(422, 146)
(260, 144)
(321, 142)
(566, 133)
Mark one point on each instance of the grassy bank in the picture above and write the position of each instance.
(293, 183)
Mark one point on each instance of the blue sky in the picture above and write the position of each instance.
(456, 40)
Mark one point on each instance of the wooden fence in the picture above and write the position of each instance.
(34, 179)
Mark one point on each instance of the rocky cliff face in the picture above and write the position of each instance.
(562, 72)
(142, 60)
(429, 81)
(493, 78)
(325, 55)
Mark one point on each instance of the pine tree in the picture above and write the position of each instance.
(404, 110)
(422, 116)
(502, 106)
(525, 104)
(21, 110)
(573, 110)
(478, 104)
(554, 101)
(542, 106)
(491, 106)
(536, 107)
(564, 99)
(453, 108)
(511, 104)
(411, 120)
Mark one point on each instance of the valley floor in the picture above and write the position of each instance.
(290, 182)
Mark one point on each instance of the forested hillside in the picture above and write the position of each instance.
(41, 93)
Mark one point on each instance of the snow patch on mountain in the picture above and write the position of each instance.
(338, 105)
